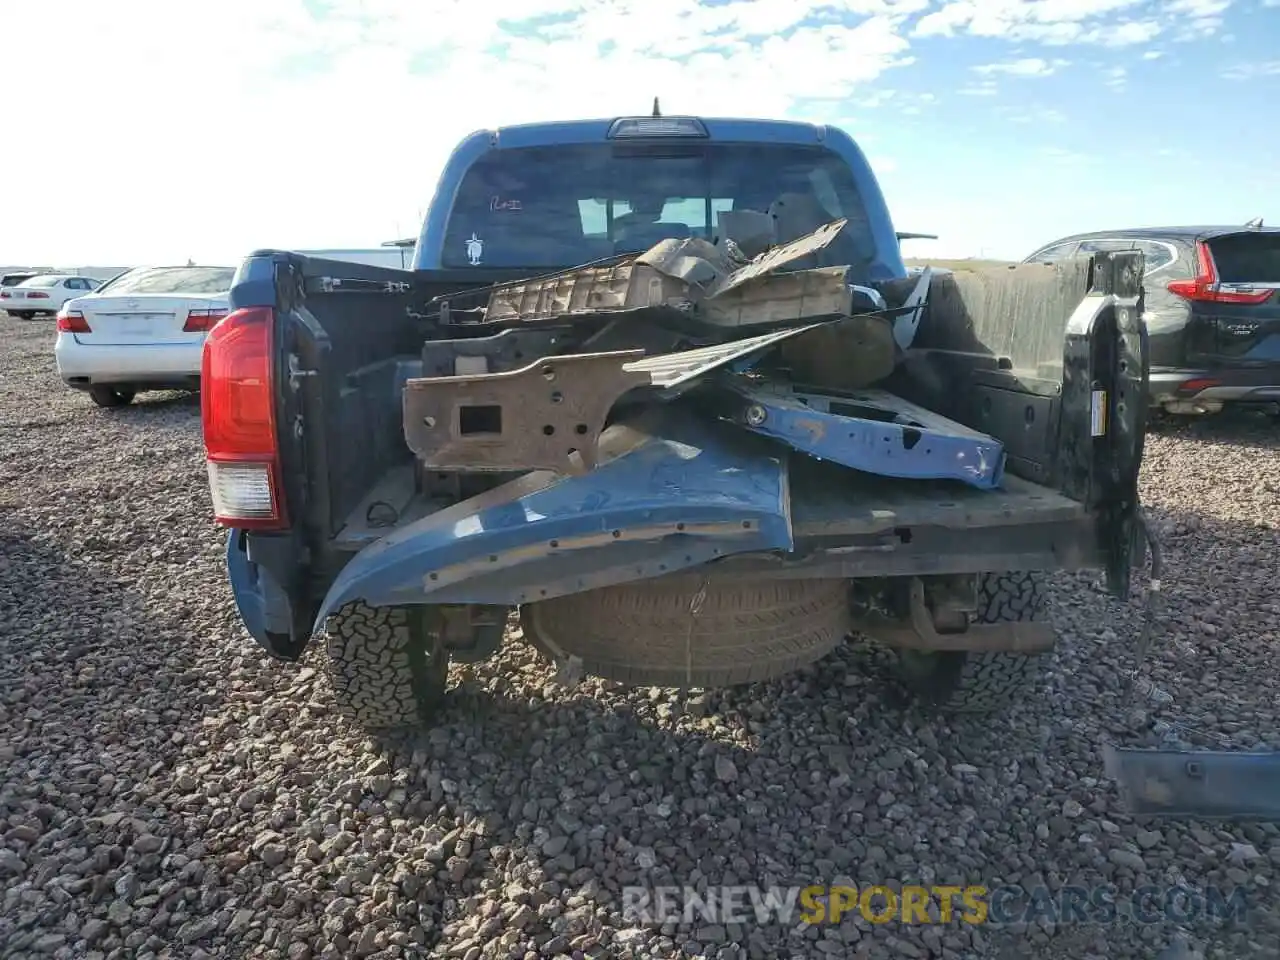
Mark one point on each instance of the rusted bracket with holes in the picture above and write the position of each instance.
(919, 632)
(546, 416)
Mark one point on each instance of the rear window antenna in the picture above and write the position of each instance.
(656, 111)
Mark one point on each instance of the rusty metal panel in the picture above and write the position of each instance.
(623, 286)
(779, 256)
(781, 298)
(547, 415)
(849, 354)
(695, 270)
(503, 351)
(692, 261)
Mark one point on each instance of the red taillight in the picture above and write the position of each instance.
(1203, 287)
(237, 407)
(72, 321)
(200, 321)
(4, 294)
(1195, 386)
(37, 295)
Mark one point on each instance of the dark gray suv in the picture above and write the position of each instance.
(1212, 311)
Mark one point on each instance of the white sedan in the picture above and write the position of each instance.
(45, 293)
(143, 330)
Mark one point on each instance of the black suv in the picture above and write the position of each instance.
(1212, 311)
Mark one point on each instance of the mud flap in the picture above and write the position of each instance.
(670, 493)
(265, 606)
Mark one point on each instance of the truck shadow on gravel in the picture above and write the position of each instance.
(149, 402)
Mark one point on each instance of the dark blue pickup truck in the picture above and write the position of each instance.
(660, 502)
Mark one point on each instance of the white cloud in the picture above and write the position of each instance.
(1107, 23)
(1157, 54)
(1026, 67)
(1251, 71)
(211, 128)
(1065, 157)
(1033, 114)
(1115, 77)
(1198, 9)
(214, 128)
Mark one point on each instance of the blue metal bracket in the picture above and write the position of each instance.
(869, 430)
(1212, 784)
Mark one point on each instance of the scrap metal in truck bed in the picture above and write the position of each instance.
(664, 387)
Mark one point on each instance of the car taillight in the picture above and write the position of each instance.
(1198, 384)
(72, 321)
(237, 409)
(200, 321)
(1204, 286)
(4, 294)
(37, 295)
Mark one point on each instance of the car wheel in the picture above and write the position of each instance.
(387, 667)
(111, 396)
(22, 314)
(983, 682)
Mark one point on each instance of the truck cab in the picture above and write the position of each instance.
(553, 195)
(709, 534)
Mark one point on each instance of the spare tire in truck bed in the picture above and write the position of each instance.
(645, 633)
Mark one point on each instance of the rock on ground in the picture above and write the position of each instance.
(169, 791)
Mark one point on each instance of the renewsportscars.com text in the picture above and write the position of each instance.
(974, 904)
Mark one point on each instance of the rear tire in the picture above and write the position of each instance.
(23, 314)
(981, 683)
(640, 633)
(386, 667)
(111, 396)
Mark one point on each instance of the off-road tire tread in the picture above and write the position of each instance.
(747, 631)
(380, 666)
(985, 683)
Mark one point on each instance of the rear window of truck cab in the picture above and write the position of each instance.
(560, 206)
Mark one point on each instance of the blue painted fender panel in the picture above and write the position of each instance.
(670, 493)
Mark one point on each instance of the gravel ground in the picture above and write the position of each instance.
(167, 791)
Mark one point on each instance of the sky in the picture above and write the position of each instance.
(153, 131)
